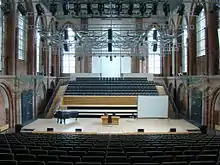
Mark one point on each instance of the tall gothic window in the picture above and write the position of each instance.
(2, 28)
(38, 51)
(154, 58)
(184, 45)
(22, 36)
(68, 59)
(200, 33)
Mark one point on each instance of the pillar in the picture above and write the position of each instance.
(30, 46)
(213, 50)
(10, 41)
(192, 45)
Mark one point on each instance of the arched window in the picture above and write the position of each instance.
(184, 45)
(154, 58)
(200, 34)
(38, 49)
(68, 63)
(2, 28)
(22, 36)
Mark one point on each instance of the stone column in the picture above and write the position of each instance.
(192, 46)
(10, 41)
(30, 46)
(213, 48)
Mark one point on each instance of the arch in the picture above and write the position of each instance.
(40, 98)
(214, 112)
(7, 104)
(52, 85)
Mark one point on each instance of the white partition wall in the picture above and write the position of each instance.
(73, 76)
(149, 76)
(152, 106)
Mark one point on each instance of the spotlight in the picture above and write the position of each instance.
(53, 8)
(181, 9)
(39, 9)
(198, 9)
(89, 9)
(154, 8)
(65, 8)
(77, 8)
(166, 8)
(22, 9)
(101, 8)
(118, 8)
(6, 7)
(142, 8)
(130, 9)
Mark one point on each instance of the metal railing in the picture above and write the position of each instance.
(60, 82)
(171, 101)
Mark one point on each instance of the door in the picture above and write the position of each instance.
(27, 106)
(196, 106)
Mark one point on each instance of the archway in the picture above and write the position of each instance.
(40, 99)
(52, 85)
(182, 100)
(4, 107)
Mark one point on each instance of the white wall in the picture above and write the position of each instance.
(149, 76)
(152, 106)
(112, 68)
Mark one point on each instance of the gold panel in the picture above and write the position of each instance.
(99, 100)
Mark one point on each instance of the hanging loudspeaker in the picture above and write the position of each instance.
(66, 36)
(109, 47)
(155, 34)
(65, 47)
(110, 34)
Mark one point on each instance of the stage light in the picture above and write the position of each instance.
(6, 7)
(22, 9)
(39, 9)
(181, 9)
(89, 9)
(130, 9)
(77, 8)
(198, 9)
(118, 8)
(142, 8)
(166, 8)
(65, 8)
(101, 8)
(53, 8)
(154, 8)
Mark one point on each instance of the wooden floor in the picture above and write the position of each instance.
(93, 125)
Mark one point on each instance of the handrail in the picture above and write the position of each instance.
(47, 108)
(175, 108)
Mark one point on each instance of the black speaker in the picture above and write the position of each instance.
(52, 71)
(172, 129)
(18, 128)
(39, 9)
(203, 129)
(49, 129)
(110, 58)
(109, 47)
(155, 34)
(154, 47)
(198, 9)
(66, 36)
(78, 130)
(21, 9)
(110, 34)
(140, 130)
(65, 47)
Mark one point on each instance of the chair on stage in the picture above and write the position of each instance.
(110, 119)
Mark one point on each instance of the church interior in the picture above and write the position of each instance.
(109, 82)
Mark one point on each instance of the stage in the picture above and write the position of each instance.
(126, 125)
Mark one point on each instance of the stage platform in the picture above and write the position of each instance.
(126, 125)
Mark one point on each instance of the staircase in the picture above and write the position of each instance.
(56, 101)
(161, 90)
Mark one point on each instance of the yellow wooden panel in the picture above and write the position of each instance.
(99, 100)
